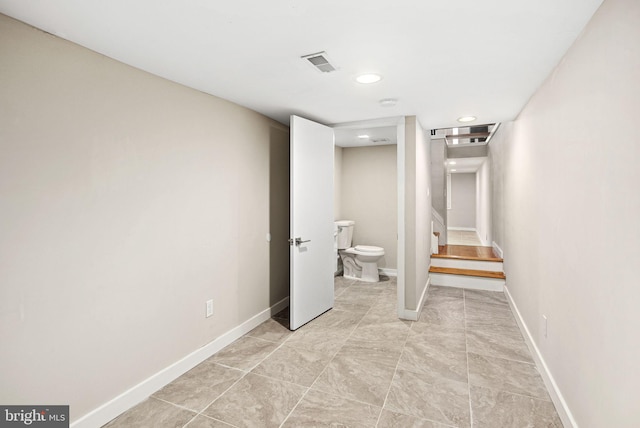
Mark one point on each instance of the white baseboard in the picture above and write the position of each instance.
(466, 229)
(388, 272)
(413, 315)
(554, 392)
(144, 389)
(497, 249)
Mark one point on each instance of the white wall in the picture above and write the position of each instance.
(126, 201)
(483, 203)
(571, 206)
(337, 183)
(369, 196)
(463, 201)
(417, 206)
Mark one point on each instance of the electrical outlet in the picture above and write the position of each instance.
(209, 308)
(544, 326)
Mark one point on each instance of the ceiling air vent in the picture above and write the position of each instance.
(380, 140)
(320, 62)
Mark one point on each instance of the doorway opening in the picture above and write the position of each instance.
(369, 183)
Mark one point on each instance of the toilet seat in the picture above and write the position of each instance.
(368, 248)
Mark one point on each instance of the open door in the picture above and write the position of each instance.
(312, 148)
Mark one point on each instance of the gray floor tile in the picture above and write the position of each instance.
(451, 338)
(495, 328)
(357, 379)
(342, 281)
(494, 297)
(318, 409)
(153, 413)
(449, 313)
(385, 353)
(429, 357)
(197, 388)
(244, 353)
(339, 289)
(256, 401)
(271, 330)
(293, 365)
(337, 321)
(354, 302)
(426, 397)
(506, 346)
(325, 341)
(489, 314)
(396, 420)
(503, 409)
(393, 331)
(477, 308)
(435, 290)
(206, 422)
(339, 369)
(506, 375)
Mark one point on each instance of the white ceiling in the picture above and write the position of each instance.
(366, 136)
(441, 59)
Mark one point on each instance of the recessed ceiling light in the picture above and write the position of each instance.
(363, 136)
(368, 78)
(388, 102)
(453, 170)
(452, 162)
(466, 119)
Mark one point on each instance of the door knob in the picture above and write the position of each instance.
(297, 241)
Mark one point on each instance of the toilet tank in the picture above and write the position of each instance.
(345, 233)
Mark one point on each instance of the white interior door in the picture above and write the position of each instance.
(312, 147)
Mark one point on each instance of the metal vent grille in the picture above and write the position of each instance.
(320, 62)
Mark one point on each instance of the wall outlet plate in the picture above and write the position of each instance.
(209, 308)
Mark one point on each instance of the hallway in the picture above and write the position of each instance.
(464, 363)
(463, 237)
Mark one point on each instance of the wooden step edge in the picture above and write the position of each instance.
(467, 272)
(481, 259)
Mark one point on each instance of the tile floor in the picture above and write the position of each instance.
(463, 237)
(463, 364)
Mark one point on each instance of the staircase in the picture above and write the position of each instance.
(477, 268)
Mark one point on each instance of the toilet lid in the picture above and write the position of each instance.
(368, 248)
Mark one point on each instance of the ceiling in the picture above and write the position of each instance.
(465, 135)
(441, 59)
(365, 136)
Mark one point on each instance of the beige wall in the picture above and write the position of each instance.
(417, 212)
(126, 201)
(570, 209)
(369, 196)
(337, 183)
(463, 201)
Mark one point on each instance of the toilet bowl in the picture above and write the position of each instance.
(359, 262)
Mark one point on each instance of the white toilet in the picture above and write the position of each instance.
(359, 262)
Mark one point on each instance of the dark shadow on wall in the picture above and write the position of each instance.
(278, 214)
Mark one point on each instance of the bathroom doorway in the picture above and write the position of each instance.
(368, 183)
(302, 301)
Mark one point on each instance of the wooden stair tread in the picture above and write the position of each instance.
(465, 252)
(467, 272)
